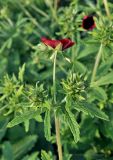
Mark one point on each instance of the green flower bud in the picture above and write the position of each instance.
(75, 86)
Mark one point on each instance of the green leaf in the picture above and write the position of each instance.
(88, 51)
(80, 67)
(107, 79)
(47, 125)
(7, 151)
(19, 91)
(73, 125)
(104, 67)
(23, 146)
(88, 127)
(107, 127)
(23, 117)
(98, 93)
(6, 44)
(3, 126)
(26, 125)
(92, 110)
(38, 118)
(33, 156)
(90, 154)
(45, 155)
(21, 73)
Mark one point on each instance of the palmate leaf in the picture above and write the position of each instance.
(73, 125)
(24, 117)
(47, 125)
(91, 109)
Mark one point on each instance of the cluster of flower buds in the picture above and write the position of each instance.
(75, 86)
(37, 95)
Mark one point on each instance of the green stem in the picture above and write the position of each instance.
(54, 78)
(57, 122)
(107, 8)
(55, 4)
(38, 10)
(96, 63)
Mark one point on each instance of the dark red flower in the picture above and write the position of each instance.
(65, 43)
(88, 23)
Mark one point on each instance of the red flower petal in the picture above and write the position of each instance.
(50, 42)
(88, 23)
(66, 43)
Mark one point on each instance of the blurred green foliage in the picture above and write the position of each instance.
(22, 67)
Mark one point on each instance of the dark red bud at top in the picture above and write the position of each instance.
(88, 23)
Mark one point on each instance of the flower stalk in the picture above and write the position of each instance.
(57, 121)
(98, 57)
(57, 45)
(107, 8)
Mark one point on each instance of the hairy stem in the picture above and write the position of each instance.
(57, 122)
(106, 8)
(96, 63)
